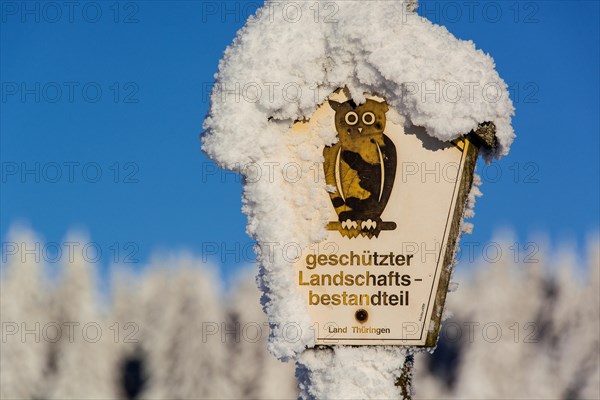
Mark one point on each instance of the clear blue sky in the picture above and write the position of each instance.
(120, 89)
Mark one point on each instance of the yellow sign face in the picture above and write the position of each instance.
(375, 279)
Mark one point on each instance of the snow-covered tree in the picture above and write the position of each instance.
(181, 303)
(24, 308)
(82, 355)
(253, 373)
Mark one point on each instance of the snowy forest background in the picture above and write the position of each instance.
(520, 325)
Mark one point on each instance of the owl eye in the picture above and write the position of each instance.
(351, 118)
(368, 118)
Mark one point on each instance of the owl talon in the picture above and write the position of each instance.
(349, 224)
(368, 224)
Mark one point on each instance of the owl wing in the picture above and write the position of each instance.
(389, 163)
(331, 169)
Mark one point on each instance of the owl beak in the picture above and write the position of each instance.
(360, 130)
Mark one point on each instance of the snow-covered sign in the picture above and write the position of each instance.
(397, 198)
(296, 76)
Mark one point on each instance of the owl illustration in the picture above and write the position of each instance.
(360, 168)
